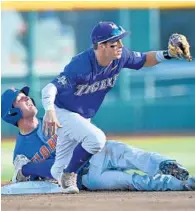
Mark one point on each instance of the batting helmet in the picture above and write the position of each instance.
(107, 31)
(8, 113)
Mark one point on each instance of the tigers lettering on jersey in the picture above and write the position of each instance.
(45, 151)
(96, 86)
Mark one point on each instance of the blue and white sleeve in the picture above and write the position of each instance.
(133, 60)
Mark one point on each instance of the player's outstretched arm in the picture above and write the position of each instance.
(41, 169)
(50, 121)
(25, 169)
(178, 47)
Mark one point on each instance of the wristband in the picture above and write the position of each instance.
(162, 56)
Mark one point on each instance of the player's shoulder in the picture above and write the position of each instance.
(128, 52)
(19, 138)
(19, 144)
(83, 56)
(81, 63)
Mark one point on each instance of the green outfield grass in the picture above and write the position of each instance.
(180, 148)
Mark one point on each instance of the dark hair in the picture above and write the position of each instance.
(95, 46)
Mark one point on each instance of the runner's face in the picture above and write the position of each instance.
(25, 104)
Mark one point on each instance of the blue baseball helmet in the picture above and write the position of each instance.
(8, 113)
(107, 32)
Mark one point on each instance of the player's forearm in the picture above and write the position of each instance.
(38, 169)
(48, 96)
(155, 57)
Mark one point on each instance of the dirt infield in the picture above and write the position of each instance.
(102, 201)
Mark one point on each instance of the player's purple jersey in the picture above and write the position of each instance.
(35, 146)
(83, 84)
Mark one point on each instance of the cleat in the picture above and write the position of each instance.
(170, 167)
(190, 184)
(68, 183)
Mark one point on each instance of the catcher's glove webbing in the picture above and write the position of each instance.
(179, 47)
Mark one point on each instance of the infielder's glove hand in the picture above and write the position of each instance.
(179, 47)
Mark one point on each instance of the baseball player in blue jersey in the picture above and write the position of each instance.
(19, 110)
(74, 97)
(34, 156)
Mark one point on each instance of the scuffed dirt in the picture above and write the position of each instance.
(102, 201)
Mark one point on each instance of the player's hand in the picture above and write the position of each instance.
(19, 162)
(179, 47)
(50, 123)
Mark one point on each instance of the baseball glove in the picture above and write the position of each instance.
(179, 47)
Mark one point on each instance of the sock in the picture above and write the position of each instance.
(79, 157)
